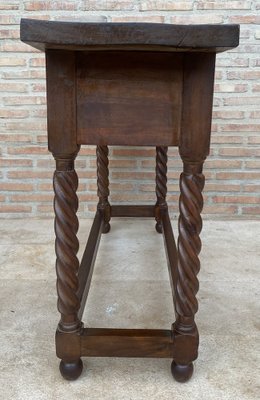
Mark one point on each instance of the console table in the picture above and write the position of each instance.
(138, 84)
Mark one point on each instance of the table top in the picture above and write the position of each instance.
(128, 36)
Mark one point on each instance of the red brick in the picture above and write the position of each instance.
(230, 88)
(15, 187)
(45, 187)
(9, 162)
(87, 151)
(12, 61)
(132, 197)
(138, 18)
(217, 187)
(31, 198)
(218, 75)
(220, 139)
(24, 100)
(14, 113)
(39, 113)
(39, 87)
(256, 63)
(6, 19)
(236, 199)
(135, 175)
(237, 101)
(197, 19)
(118, 187)
(116, 163)
(32, 74)
(223, 164)
(253, 164)
(27, 150)
(29, 174)
(246, 75)
(256, 88)
(13, 87)
(160, 5)
(244, 19)
(10, 6)
(255, 114)
(89, 174)
(150, 187)
(18, 47)
(228, 114)
(255, 211)
(232, 62)
(13, 208)
(247, 176)
(252, 188)
(254, 139)
(42, 138)
(220, 209)
(50, 5)
(237, 152)
(37, 62)
(46, 209)
(9, 34)
(46, 163)
(240, 128)
(26, 126)
(137, 152)
(108, 5)
(14, 138)
(224, 5)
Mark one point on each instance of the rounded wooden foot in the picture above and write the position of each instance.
(158, 227)
(181, 373)
(71, 371)
(106, 227)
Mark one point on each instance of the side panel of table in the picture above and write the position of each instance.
(129, 98)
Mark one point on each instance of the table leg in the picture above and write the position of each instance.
(161, 184)
(103, 185)
(187, 285)
(65, 183)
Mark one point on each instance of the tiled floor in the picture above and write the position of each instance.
(130, 288)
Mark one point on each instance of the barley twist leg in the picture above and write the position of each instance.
(65, 183)
(103, 185)
(161, 184)
(189, 246)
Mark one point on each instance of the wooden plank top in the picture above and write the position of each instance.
(128, 36)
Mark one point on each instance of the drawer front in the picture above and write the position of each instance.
(129, 98)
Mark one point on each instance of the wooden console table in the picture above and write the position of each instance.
(124, 84)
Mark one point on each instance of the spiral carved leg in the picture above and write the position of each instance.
(65, 184)
(103, 185)
(161, 184)
(189, 246)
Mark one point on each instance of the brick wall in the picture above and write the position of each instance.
(233, 168)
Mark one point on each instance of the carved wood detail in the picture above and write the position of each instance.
(65, 183)
(103, 181)
(189, 246)
(161, 183)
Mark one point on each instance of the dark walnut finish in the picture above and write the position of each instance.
(128, 84)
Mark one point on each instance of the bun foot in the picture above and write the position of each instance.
(158, 227)
(106, 227)
(181, 373)
(71, 371)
